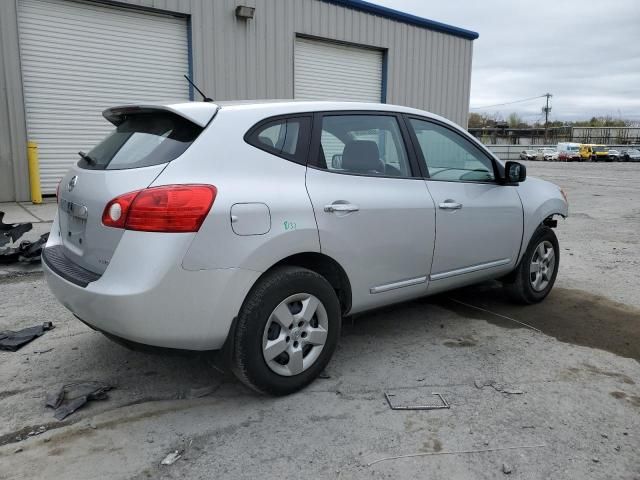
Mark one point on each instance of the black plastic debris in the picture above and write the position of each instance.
(72, 396)
(12, 341)
(30, 252)
(10, 232)
(26, 252)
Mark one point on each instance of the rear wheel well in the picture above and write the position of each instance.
(328, 268)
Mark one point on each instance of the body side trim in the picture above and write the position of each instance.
(392, 286)
(472, 268)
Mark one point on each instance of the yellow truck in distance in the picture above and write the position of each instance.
(595, 153)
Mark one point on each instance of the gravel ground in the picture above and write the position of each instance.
(558, 398)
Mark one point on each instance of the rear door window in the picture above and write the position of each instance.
(363, 144)
(142, 140)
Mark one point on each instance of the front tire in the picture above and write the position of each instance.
(536, 274)
(287, 331)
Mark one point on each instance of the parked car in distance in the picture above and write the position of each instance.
(569, 151)
(630, 155)
(568, 156)
(528, 155)
(614, 155)
(546, 154)
(227, 226)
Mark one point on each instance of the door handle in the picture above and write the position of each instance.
(450, 205)
(341, 207)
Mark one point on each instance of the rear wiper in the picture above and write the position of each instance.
(87, 158)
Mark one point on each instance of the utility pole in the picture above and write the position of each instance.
(546, 109)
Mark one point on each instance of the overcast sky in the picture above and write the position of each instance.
(586, 53)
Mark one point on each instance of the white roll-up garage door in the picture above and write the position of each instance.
(331, 71)
(80, 58)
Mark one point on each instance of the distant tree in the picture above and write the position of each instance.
(606, 121)
(476, 120)
(514, 120)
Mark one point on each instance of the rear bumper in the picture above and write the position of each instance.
(146, 297)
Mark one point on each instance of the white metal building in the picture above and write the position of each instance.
(64, 61)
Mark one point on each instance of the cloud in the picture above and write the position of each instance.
(587, 54)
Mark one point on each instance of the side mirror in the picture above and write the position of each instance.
(514, 172)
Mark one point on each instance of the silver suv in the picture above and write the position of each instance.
(253, 228)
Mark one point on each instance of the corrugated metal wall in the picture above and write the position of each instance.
(249, 59)
(76, 58)
(328, 71)
(14, 182)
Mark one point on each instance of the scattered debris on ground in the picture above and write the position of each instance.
(439, 403)
(498, 388)
(37, 431)
(10, 232)
(27, 252)
(453, 452)
(72, 396)
(14, 340)
(171, 458)
(40, 352)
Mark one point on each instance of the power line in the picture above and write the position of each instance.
(507, 103)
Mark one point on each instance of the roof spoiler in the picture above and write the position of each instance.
(192, 112)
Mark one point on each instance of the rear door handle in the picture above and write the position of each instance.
(341, 207)
(450, 205)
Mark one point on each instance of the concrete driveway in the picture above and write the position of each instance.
(548, 391)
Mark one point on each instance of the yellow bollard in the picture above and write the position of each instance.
(34, 172)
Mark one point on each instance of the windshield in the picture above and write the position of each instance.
(142, 140)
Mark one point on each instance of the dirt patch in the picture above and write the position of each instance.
(633, 399)
(432, 445)
(619, 376)
(571, 316)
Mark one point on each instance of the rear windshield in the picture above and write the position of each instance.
(141, 140)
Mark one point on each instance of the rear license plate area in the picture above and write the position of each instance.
(76, 222)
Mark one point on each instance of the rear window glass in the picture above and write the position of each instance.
(285, 137)
(142, 140)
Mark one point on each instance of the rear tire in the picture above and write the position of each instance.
(293, 311)
(536, 274)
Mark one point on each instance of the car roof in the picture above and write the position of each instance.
(313, 105)
(202, 112)
(280, 107)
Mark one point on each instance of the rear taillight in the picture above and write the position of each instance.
(170, 208)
